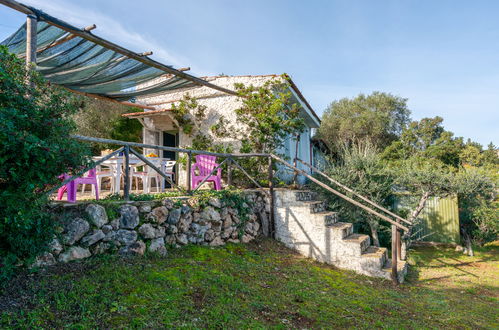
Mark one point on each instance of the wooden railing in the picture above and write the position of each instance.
(398, 223)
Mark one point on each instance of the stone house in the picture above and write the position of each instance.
(160, 128)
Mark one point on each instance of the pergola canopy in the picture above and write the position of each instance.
(79, 60)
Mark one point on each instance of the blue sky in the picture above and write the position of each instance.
(441, 55)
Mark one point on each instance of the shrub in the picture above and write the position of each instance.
(35, 148)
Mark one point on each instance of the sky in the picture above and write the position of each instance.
(443, 56)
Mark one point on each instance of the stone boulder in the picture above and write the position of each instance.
(74, 230)
(147, 231)
(158, 246)
(209, 213)
(93, 238)
(74, 253)
(136, 248)
(159, 214)
(55, 246)
(97, 215)
(44, 260)
(129, 216)
(174, 216)
(126, 237)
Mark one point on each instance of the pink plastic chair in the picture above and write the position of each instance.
(71, 187)
(205, 164)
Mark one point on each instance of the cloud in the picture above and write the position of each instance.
(110, 29)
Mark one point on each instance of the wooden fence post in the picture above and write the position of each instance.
(295, 162)
(189, 166)
(229, 172)
(127, 173)
(394, 254)
(271, 196)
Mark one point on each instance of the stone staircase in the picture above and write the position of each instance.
(303, 224)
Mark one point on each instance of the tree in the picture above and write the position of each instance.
(378, 118)
(478, 205)
(428, 139)
(362, 170)
(35, 148)
(103, 119)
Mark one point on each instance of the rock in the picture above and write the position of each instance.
(227, 221)
(209, 235)
(172, 229)
(145, 208)
(185, 209)
(233, 240)
(74, 253)
(44, 260)
(100, 248)
(110, 236)
(93, 238)
(209, 213)
(126, 237)
(182, 239)
(217, 241)
(97, 215)
(158, 246)
(184, 223)
(459, 248)
(160, 232)
(246, 238)
(256, 227)
(215, 202)
(227, 232)
(115, 224)
(75, 230)
(168, 203)
(55, 246)
(159, 214)
(137, 248)
(174, 216)
(147, 231)
(107, 228)
(170, 239)
(235, 234)
(129, 216)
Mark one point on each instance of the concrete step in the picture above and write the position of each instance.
(401, 269)
(356, 244)
(305, 195)
(376, 256)
(340, 230)
(329, 217)
(316, 206)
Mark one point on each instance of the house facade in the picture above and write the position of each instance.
(160, 126)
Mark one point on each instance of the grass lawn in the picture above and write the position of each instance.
(258, 285)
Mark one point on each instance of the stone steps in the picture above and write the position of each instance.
(304, 224)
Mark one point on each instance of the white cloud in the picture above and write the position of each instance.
(110, 29)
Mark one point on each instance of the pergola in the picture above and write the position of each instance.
(87, 64)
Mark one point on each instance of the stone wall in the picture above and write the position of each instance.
(134, 228)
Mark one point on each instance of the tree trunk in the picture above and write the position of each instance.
(374, 234)
(420, 207)
(406, 239)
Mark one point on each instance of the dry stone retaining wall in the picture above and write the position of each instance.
(132, 228)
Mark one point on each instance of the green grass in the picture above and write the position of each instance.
(258, 285)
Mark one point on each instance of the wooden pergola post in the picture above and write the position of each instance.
(31, 34)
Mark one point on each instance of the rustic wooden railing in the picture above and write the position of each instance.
(398, 223)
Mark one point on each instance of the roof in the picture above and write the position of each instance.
(145, 113)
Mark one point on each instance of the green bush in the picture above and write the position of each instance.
(35, 148)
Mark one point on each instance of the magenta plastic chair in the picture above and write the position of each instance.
(205, 164)
(71, 187)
